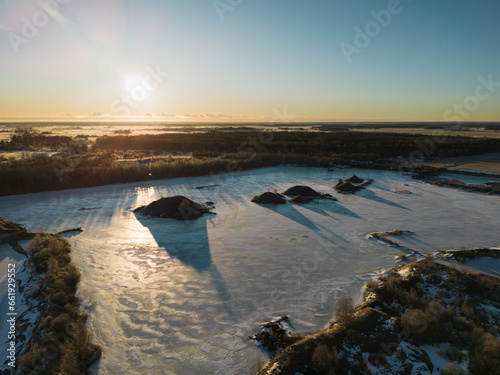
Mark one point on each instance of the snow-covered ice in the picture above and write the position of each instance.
(184, 296)
(469, 179)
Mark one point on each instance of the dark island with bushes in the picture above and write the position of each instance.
(177, 207)
(297, 194)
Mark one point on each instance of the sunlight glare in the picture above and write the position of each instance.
(135, 87)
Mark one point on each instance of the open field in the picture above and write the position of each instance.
(91, 130)
(485, 163)
(475, 133)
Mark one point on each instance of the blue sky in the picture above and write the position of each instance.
(210, 60)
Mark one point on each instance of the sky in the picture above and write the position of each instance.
(250, 60)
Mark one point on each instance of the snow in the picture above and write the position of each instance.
(7, 256)
(487, 265)
(475, 171)
(438, 361)
(164, 290)
(492, 313)
(396, 362)
(404, 272)
(25, 310)
(468, 179)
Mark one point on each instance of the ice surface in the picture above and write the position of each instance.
(469, 179)
(184, 296)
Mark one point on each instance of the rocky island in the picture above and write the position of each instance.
(176, 207)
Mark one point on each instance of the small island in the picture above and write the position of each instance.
(269, 198)
(296, 194)
(176, 207)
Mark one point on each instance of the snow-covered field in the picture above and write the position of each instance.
(169, 297)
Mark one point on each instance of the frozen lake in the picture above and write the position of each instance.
(173, 297)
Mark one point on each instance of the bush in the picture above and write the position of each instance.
(325, 359)
(485, 354)
(50, 256)
(452, 354)
(344, 310)
(429, 326)
(453, 369)
(59, 324)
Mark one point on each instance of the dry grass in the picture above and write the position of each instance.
(453, 369)
(402, 256)
(487, 163)
(60, 317)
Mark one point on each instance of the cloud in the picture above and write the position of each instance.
(220, 115)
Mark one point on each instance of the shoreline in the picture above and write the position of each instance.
(360, 342)
(47, 310)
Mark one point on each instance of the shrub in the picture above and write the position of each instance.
(452, 354)
(325, 359)
(485, 354)
(371, 286)
(344, 310)
(69, 363)
(453, 369)
(430, 326)
(413, 322)
(60, 298)
(50, 257)
(468, 309)
(59, 324)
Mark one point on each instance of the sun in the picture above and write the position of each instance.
(135, 87)
(132, 81)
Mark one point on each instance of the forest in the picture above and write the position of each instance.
(127, 158)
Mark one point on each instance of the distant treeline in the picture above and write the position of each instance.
(27, 139)
(43, 173)
(219, 152)
(306, 143)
